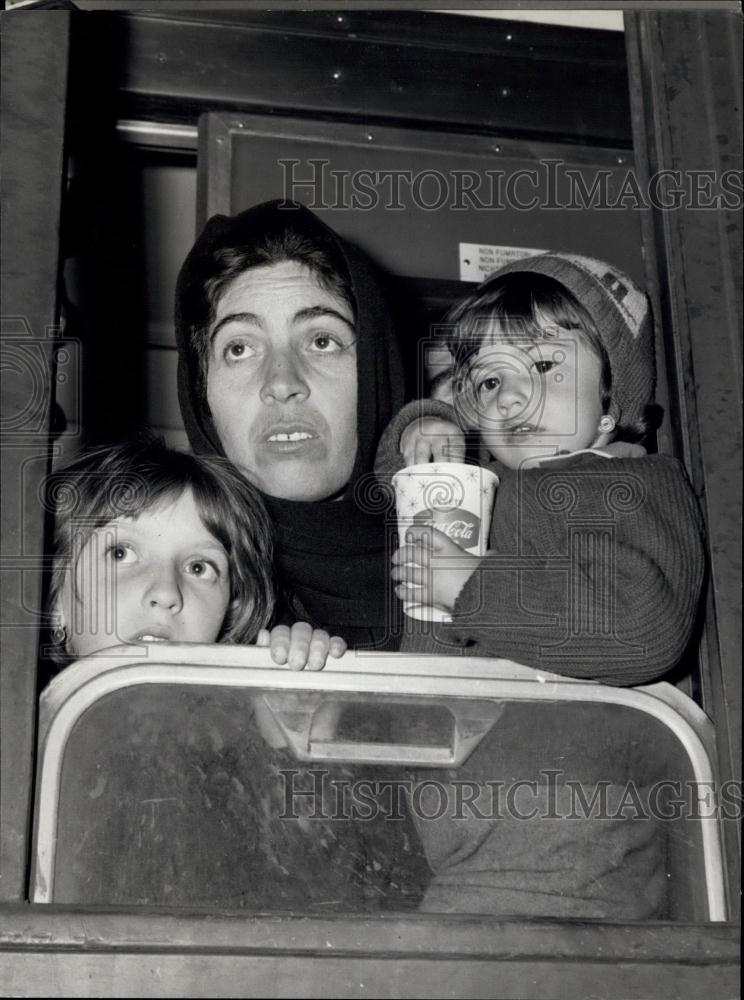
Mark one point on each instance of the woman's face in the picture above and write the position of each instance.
(282, 381)
(160, 576)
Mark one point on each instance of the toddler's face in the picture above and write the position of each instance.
(158, 576)
(532, 399)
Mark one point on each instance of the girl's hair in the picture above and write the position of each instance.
(126, 479)
(519, 305)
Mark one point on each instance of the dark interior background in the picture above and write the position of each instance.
(364, 90)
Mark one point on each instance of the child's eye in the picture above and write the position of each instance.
(489, 384)
(120, 553)
(543, 367)
(202, 569)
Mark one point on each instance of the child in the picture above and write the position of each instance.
(554, 371)
(594, 570)
(154, 545)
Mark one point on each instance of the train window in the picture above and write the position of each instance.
(189, 816)
(198, 778)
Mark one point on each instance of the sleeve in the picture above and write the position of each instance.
(592, 572)
(389, 458)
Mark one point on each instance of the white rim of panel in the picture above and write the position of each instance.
(82, 684)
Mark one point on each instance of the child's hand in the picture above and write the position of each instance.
(440, 568)
(431, 439)
(301, 646)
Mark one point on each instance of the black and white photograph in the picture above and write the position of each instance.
(371, 469)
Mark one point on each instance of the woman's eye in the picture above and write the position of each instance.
(324, 343)
(202, 569)
(543, 367)
(236, 350)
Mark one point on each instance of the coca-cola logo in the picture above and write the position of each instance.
(460, 531)
(459, 525)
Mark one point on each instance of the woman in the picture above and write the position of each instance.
(289, 366)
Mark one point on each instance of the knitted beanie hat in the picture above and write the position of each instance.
(621, 314)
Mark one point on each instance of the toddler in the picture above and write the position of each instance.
(594, 569)
(595, 557)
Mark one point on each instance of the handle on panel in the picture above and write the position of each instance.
(310, 723)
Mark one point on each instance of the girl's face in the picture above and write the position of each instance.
(531, 399)
(160, 576)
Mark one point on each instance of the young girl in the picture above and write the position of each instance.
(594, 570)
(155, 545)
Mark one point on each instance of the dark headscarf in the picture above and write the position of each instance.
(332, 555)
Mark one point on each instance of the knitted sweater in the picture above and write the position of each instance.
(594, 568)
(554, 815)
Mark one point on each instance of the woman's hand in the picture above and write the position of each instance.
(301, 645)
(431, 439)
(434, 565)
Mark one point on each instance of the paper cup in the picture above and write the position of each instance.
(454, 498)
